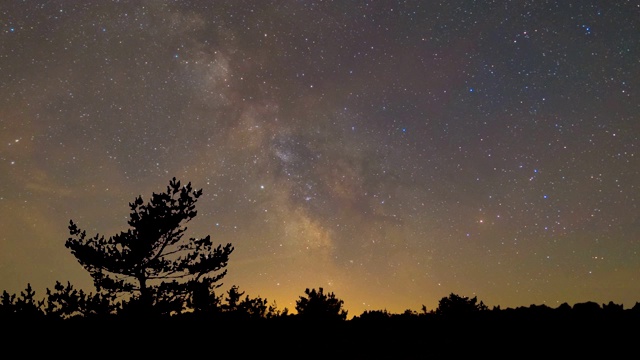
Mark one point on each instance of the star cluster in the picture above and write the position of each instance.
(392, 152)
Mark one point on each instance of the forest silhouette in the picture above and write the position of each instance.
(151, 277)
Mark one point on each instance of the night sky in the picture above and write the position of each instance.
(391, 152)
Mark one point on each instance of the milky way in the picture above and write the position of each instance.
(391, 152)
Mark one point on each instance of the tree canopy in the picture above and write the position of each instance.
(151, 260)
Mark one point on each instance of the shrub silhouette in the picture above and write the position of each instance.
(25, 306)
(250, 308)
(320, 306)
(456, 306)
(66, 302)
(140, 261)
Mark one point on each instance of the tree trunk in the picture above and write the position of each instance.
(146, 302)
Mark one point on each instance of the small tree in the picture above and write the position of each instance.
(151, 261)
(248, 308)
(233, 299)
(320, 306)
(24, 307)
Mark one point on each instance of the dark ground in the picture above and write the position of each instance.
(512, 338)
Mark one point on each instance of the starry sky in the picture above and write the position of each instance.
(391, 152)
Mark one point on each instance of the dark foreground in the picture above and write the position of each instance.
(512, 337)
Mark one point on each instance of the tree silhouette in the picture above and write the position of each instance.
(374, 316)
(233, 298)
(151, 261)
(25, 306)
(320, 306)
(456, 305)
(612, 309)
(66, 302)
(248, 308)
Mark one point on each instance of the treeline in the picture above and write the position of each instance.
(235, 323)
(66, 303)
